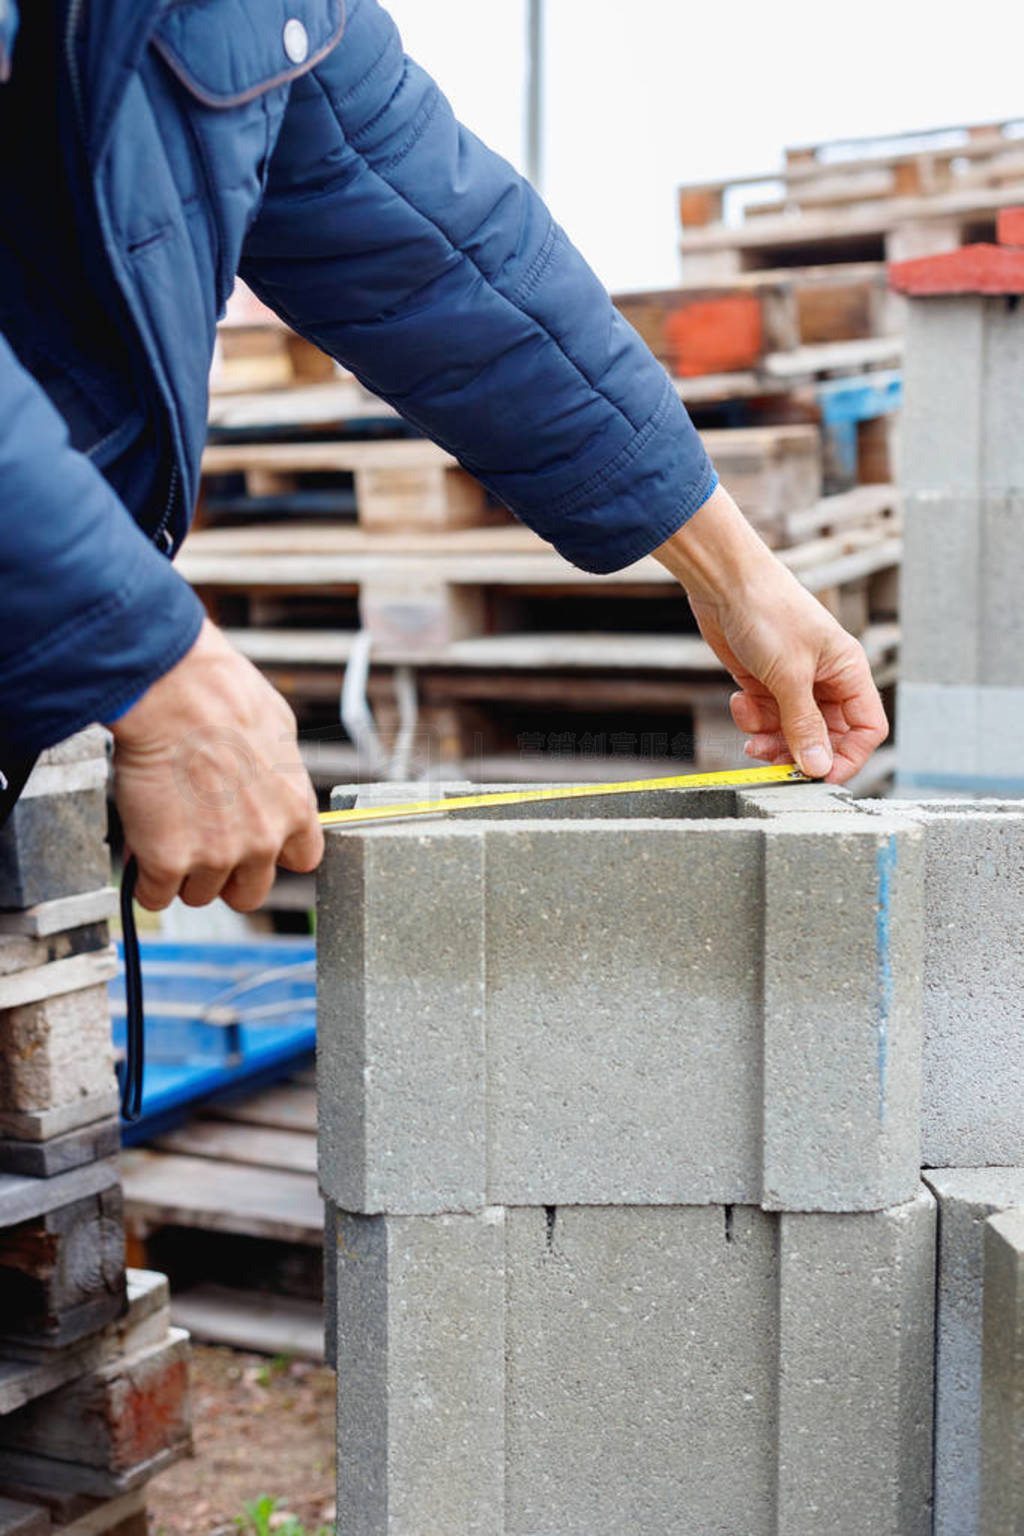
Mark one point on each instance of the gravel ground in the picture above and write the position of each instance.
(261, 1427)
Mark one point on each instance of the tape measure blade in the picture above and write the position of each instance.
(738, 778)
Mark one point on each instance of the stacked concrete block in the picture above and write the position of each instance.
(620, 1130)
(961, 696)
(93, 1395)
(967, 1198)
(1002, 1399)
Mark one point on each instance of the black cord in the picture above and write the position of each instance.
(134, 1059)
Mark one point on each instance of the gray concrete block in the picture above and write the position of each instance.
(842, 1020)
(1002, 1412)
(420, 1352)
(401, 1019)
(999, 612)
(54, 846)
(940, 579)
(1002, 441)
(855, 1372)
(944, 374)
(785, 799)
(967, 1197)
(623, 1012)
(960, 740)
(972, 1073)
(642, 1358)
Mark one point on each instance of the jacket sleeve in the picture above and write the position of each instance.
(92, 614)
(404, 247)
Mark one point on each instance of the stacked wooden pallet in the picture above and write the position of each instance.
(228, 1203)
(518, 656)
(93, 1380)
(878, 199)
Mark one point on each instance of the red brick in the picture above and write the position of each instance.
(992, 269)
(714, 336)
(1010, 226)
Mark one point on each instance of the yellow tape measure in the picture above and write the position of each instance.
(738, 778)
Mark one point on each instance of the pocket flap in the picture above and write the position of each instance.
(226, 52)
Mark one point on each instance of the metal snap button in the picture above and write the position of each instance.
(296, 40)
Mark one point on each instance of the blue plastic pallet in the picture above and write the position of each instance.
(219, 1017)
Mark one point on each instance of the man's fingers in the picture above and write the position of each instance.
(158, 884)
(304, 849)
(249, 885)
(803, 726)
(203, 884)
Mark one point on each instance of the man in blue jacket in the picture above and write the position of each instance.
(149, 151)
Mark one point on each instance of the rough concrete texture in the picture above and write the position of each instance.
(54, 846)
(642, 1363)
(960, 739)
(943, 383)
(967, 1197)
(586, 996)
(962, 371)
(972, 1071)
(1002, 1413)
(623, 964)
(401, 1019)
(940, 589)
(420, 1350)
(842, 1018)
(669, 1370)
(55, 1053)
(855, 1389)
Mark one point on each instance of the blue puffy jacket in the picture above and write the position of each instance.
(293, 142)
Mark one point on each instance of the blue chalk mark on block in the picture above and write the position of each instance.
(887, 858)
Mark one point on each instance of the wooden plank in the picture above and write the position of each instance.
(288, 1107)
(56, 1053)
(829, 357)
(121, 1416)
(165, 1189)
(17, 1519)
(270, 1325)
(41, 982)
(24, 1199)
(236, 1143)
(51, 917)
(146, 1321)
(123, 1516)
(40, 1124)
(62, 1274)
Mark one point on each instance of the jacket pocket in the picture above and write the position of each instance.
(230, 52)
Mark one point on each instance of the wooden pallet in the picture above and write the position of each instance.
(838, 171)
(242, 1171)
(413, 485)
(740, 323)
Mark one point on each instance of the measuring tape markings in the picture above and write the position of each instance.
(738, 778)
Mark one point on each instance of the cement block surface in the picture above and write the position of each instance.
(623, 1012)
(1002, 442)
(999, 614)
(960, 739)
(420, 1359)
(973, 1073)
(54, 846)
(401, 1019)
(1002, 1410)
(967, 1197)
(940, 585)
(943, 377)
(642, 1353)
(56, 1052)
(842, 1021)
(855, 1371)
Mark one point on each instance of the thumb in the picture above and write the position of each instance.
(804, 728)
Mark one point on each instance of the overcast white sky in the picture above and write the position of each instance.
(645, 94)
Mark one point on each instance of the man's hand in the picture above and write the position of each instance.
(209, 783)
(806, 691)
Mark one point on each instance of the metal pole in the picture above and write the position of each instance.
(535, 93)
